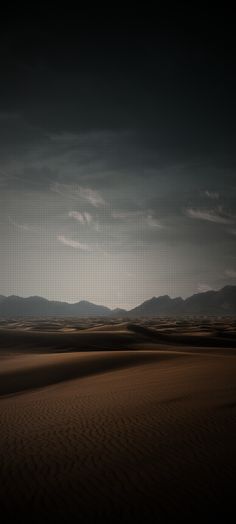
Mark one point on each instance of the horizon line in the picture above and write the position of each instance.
(114, 308)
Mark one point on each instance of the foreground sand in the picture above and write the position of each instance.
(141, 433)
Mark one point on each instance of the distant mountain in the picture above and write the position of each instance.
(158, 306)
(222, 302)
(14, 306)
(119, 313)
(84, 308)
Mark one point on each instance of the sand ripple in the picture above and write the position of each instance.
(131, 441)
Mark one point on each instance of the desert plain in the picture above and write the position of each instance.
(117, 420)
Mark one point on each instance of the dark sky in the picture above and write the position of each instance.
(117, 154)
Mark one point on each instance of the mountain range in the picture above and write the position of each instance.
(222, 302)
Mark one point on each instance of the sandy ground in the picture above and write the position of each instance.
(145, 431)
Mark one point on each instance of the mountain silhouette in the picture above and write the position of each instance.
(222, 302)
(163, 305)
(15, 306)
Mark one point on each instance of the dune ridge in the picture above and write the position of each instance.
(116, 435)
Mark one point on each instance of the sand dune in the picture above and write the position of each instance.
(29, 373)
(117, 435)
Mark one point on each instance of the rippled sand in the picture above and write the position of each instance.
(89, 434)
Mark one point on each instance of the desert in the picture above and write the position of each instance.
(117, 419)
(118, 264)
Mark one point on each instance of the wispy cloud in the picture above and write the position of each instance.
(76, 192)
(73, 243)
(153, 222)
(212, 194)
(147, 217)
(92, 196)
(77, 216)
(88, 217)
(126, 215)
(210, 215)
(5, 177)
(83, 218)
(231, 273)
(202, 288)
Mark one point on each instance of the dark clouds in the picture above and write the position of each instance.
(130, 123)
(169, 77)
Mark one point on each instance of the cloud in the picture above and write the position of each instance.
(75, 192)
(83, 218)
(77, 216)
(73, 243)
(202, 288)
(153, 222)
(92, 196)
(5, 177)
(125, 215)
(88, 217)
(147, 217)
(210, 215)
(212, 194)
(231, 273)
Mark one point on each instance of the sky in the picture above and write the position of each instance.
(117, 156)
